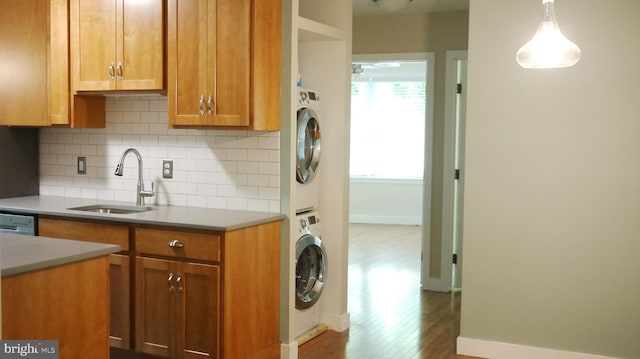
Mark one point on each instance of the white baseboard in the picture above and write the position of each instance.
(437, 285)
(289, 351)
(498, 350)
(414, 221)
(339, 322)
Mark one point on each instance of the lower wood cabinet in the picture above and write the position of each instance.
(67, 303)
(182, 293)
(177, 308)
(119, 267)
(120, 301)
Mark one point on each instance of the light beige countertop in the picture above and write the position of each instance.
(21, 253)
(174, 216)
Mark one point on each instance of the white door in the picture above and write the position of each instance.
(458, 188)
(453, 174)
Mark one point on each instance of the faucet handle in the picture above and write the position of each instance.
(144, 193)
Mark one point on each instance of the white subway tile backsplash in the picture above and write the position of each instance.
(64, 138)
(80, 138)
(237, 154)
(215, 169)
(140, 105)
(269, 168)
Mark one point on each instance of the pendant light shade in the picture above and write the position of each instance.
(391, 5)
(548, 48)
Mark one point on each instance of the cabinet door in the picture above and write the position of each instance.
(231, 49)
(23, 59)
(155, 309)
(93, 44)
(187, 42)
(140, 45)
(209, 63)
(59, 63)
(198, 308)
(120, 296)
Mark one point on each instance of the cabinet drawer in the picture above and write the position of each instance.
(85, 231)
(175, 243)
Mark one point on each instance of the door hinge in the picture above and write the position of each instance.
(456, 174)
(455, 258)
(459, 88)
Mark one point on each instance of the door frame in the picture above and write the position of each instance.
(430, 59)
(444, 283)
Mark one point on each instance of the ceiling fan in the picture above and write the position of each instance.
(390, 5)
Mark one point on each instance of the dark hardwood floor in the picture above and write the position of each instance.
(391, 316)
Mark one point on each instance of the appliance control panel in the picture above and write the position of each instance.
(306, 97)
(309, 222)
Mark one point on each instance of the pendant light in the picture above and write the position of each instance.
(391, 5)
(548, 48)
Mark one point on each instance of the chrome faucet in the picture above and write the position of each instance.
(141, 193)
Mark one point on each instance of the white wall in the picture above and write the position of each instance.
(385, 201)
(216, 169)
(552, 196)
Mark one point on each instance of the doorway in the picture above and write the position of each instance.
(387, 186)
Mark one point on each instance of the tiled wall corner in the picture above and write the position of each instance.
(215, 169)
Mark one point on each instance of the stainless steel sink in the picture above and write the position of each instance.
(112, 209)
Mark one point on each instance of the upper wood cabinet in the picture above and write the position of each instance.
(34, 75)
(117, 45)
(224, 63)
(23, 69)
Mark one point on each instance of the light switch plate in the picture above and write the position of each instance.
(82, 165)
(167, 168)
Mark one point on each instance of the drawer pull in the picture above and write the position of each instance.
(175, 244)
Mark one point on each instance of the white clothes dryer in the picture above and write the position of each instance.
(311, 272)
(308, 149)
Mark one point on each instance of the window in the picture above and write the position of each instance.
(388, 103)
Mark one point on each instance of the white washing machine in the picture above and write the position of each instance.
(308, 148)
(311, 272)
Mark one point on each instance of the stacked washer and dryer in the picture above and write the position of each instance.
(311, 257)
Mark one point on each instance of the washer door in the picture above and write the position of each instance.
(311, 270)
(308, 145)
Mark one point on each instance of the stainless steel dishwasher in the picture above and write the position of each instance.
(18, 223)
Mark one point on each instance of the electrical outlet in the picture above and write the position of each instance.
(167, 168)
(82, 165)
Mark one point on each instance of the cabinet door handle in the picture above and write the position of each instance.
(179, 283)
(210, 105)
(111, 71)
(169, 283)
(175, 244)
(119, 70)
(202, 105)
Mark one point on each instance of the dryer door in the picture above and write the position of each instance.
(308, 145)
(311, 270)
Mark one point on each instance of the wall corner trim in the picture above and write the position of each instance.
(498, 350)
